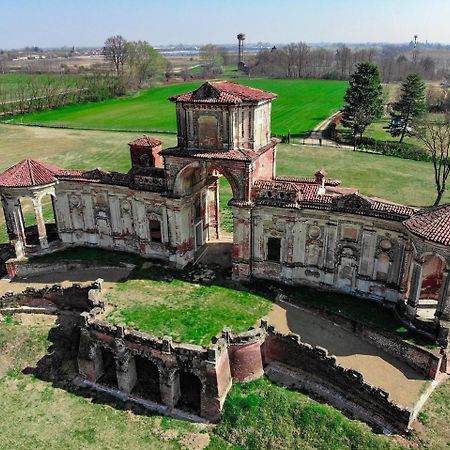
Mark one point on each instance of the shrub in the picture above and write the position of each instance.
(398, 149)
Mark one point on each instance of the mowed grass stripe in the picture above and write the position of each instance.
(300, 106)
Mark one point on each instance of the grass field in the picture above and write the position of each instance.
(300, 106)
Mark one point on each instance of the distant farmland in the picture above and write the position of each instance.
(300, 106)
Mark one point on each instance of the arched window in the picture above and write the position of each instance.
(208, 132)
(382, 267)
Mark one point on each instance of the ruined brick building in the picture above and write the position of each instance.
(295, 230)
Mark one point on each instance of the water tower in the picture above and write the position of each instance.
(241, 39)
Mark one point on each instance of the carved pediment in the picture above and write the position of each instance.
(205, 91)
(353, 202)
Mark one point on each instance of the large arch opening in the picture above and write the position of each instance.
(147, 384)
(433, 267)
(29, 221)
(109, 377)
(49, 215)
(209, 188)
(190, 390)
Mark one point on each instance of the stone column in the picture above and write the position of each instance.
(242, 244)
(42, 231)
(17, 228)
(126, 372)
(169, 382)
(416, 285)
(90, 360)
(443, 307)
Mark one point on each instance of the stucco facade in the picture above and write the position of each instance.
(295, 230)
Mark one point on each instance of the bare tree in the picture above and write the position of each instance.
(436, 138)
(115, 50)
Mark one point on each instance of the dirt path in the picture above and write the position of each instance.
(318, 132)
(378, 367)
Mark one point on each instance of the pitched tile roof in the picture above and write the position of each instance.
(432, 224)
(145, 141)
(28, 173)
(223, 92)
(241, 154)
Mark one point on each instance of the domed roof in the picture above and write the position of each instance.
(28, 173)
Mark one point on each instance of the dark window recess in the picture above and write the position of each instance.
(198, 210)
(155, 230)
(273, 249)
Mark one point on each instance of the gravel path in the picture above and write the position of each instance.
(378, 367)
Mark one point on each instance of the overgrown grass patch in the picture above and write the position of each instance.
(188, 312)
(260, 415)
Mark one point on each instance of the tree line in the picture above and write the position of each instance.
(299, 60)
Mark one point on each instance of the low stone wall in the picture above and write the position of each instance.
(77, 297)
(23, 268)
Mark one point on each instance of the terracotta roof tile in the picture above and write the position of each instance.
(145, 141)
(432, 224)
(28, 173)
(223, 92)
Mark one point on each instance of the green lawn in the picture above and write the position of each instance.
(300, 106)
(173, 308)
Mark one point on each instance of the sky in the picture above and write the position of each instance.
(55, 23)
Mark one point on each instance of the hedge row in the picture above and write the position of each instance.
(398, 149)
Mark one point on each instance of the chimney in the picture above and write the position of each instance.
(145, 152)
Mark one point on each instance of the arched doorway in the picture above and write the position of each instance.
(209, 189)
(147, 384)
(49, 216)
(109, 377)
(433, 267)
(190, 389)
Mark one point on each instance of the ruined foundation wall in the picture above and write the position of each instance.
(210, 365)
(77, 297)
(426, 362)
(295, 364)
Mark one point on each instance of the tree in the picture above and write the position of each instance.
(436, 138)
(144, 61)
(115, 50)
(411, 104)
(363, 99)
(212, 61)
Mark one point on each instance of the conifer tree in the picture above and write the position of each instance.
(363, 99)
(410, 105)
